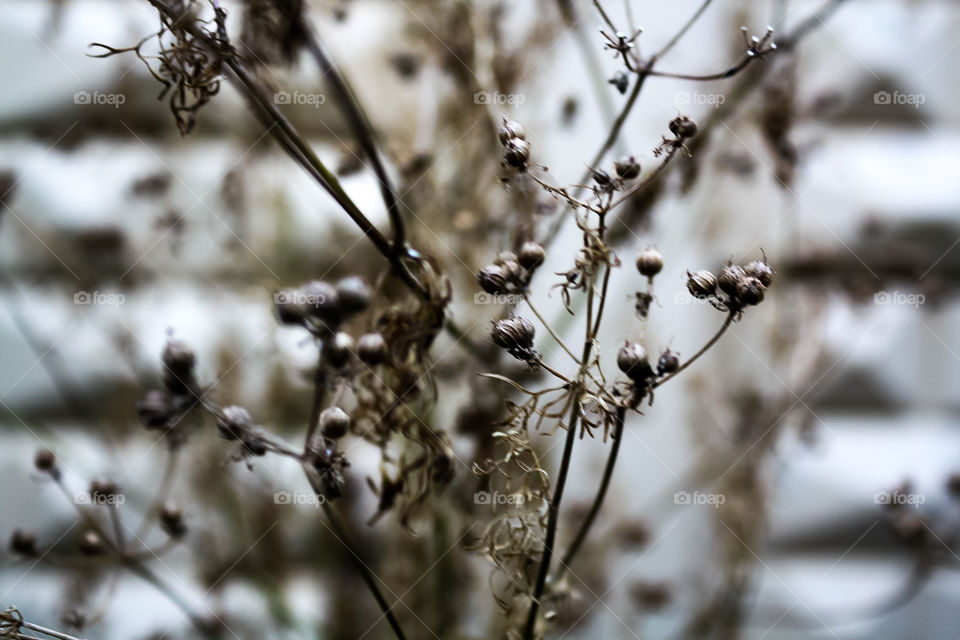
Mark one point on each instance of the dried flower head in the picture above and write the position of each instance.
(156, 409)
(45, 461)
(322, 304)
(493, 279)
(23, 542)
(372, 349)
(668, 362)
(234, 422)
(761, 271)
(510, 130)
(516, 336)
(516, 152)
(339, 349)
(178, 361)
(171, 520)
(627, 168)
(353, 294)
(91, 544)
(531, 255)
(632, 360)
(701, 284)
(649, 262)
(334, 422)
(730, 278)
(750, 291)
(683, 127)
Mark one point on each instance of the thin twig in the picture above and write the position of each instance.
(703, 350)
(341, 533)
(601, 492)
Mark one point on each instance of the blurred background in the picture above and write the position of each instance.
(795, 483)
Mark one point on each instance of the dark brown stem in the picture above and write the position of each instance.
(339, 530)
(360, 125)
(703, 350)
(553, 517)
(601, 491)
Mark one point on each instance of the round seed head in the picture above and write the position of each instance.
(761, 271)
(339, 349)
(155, 410)
(334, 422)
(234, 422)
(531, 255)
(683, 127)
(701, 284)
(729, 279)
(372, 349)
(627, 167)
(750, 292)
(510, 130)
(649, 262)
(23, 542)
(354, 295)
(632, 360)
(493, 279)
(516, 152)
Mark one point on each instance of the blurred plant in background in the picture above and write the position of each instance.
(454, 320)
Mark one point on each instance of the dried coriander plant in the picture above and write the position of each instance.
(374, 378)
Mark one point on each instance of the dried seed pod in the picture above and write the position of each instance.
(683, 127)
(761, 271)
(254, 444)
(339, 349)
(23, 542)
(701, 284)
(372, 349)
(45, 461)
(234, 422)
(953, 485)
(354, 295)
(171, 520)
(750, 292)
(334, 422)
(649, 262)
(504, 258)
(102, 491)
(668, 363)
(602, 178)
(627, 167)
(91, 544)
(531, 255)
(288, 308)
(493, 279)
(516, 336)
(510, 130)
(516, 152)
(322, 303)
(621, 81)
(729, 279)
(632, 360)
(178, 361)
(155, 410)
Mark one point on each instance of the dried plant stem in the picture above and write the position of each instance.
(553, 517)
(621, 118)
(360, 125)
(550, 330)
(131, 562)
(293, 142)
(339, 530)
(703, 350)
(163, 492)
(45, 631)
(601, 492)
